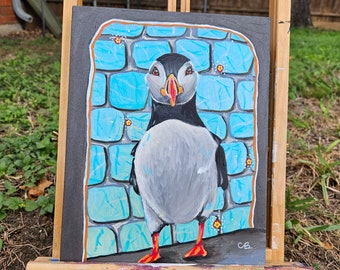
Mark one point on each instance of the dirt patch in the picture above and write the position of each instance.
(309, 142)
(26, 236)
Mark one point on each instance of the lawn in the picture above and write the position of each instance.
(313, 156)
(29, 97)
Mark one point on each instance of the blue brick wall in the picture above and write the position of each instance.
(120, 108)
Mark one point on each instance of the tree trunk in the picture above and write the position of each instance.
(300, 15)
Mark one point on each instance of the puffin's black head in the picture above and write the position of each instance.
(172, 62)
(172, 79)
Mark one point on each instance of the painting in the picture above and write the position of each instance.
(166, 138)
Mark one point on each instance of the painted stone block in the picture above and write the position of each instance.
(237, 37)
(100, 241)
(136, 204)
(211, 229)
(196, 50)
(187, 232)
(236, 58)
(241, 189)
(215, 94)
(128, 91)
(245, 94)
(107, 124)
(136, 125)
(134, 235)
(145, 52)
(235, 219)
(123, 30)
(107, 204)
(120, 161)
(220, 200)
(211, 33)
(99, 89)
(109, 55)
(165, 31)
(252, 157)
(241, 125)
(215, 123)
(236, 155)
(98, 165)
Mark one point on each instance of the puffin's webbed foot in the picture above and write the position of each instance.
(154, 256)
(197, 251)
(150, 258)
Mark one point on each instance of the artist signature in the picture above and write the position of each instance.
(244, 245)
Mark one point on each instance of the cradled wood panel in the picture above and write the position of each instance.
(64, 83)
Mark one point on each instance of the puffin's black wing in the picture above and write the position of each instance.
(221, 164)
(133, 178)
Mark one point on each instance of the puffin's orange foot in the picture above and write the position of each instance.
(150, 258)
(197, 251)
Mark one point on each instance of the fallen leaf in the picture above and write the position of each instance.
(39, 189)
(327, 245)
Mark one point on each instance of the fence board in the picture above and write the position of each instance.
(321, 10)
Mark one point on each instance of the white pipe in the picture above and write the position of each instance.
(20, 12)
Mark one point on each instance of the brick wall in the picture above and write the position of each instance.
(7, 15)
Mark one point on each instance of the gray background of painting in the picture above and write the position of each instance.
(85, 23)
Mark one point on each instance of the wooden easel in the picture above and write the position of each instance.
(279, 12)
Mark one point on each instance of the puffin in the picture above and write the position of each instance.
(178, 164)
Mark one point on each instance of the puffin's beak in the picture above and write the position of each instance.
(172, 89)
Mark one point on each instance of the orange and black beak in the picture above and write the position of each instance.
(172, 89)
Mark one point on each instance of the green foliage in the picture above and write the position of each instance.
(314, 73)
(29, 108)
(323, 167)
(29, 92)
(324, 170)
(10, 189)
(46, 203)
(294, 204)
(10, 202)
(314, 64)
(302, 231)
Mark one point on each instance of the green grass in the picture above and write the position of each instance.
(29, 91)
(314, 64)
(313, 140)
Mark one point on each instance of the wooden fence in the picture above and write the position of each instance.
(321, 10)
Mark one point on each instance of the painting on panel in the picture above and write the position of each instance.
(166, 143)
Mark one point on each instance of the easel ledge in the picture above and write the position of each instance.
(279, 12)
(44, 263)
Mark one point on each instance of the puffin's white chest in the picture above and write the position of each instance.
(176, 170)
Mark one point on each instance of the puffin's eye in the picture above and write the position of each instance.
(189, 71)
(155, 71)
